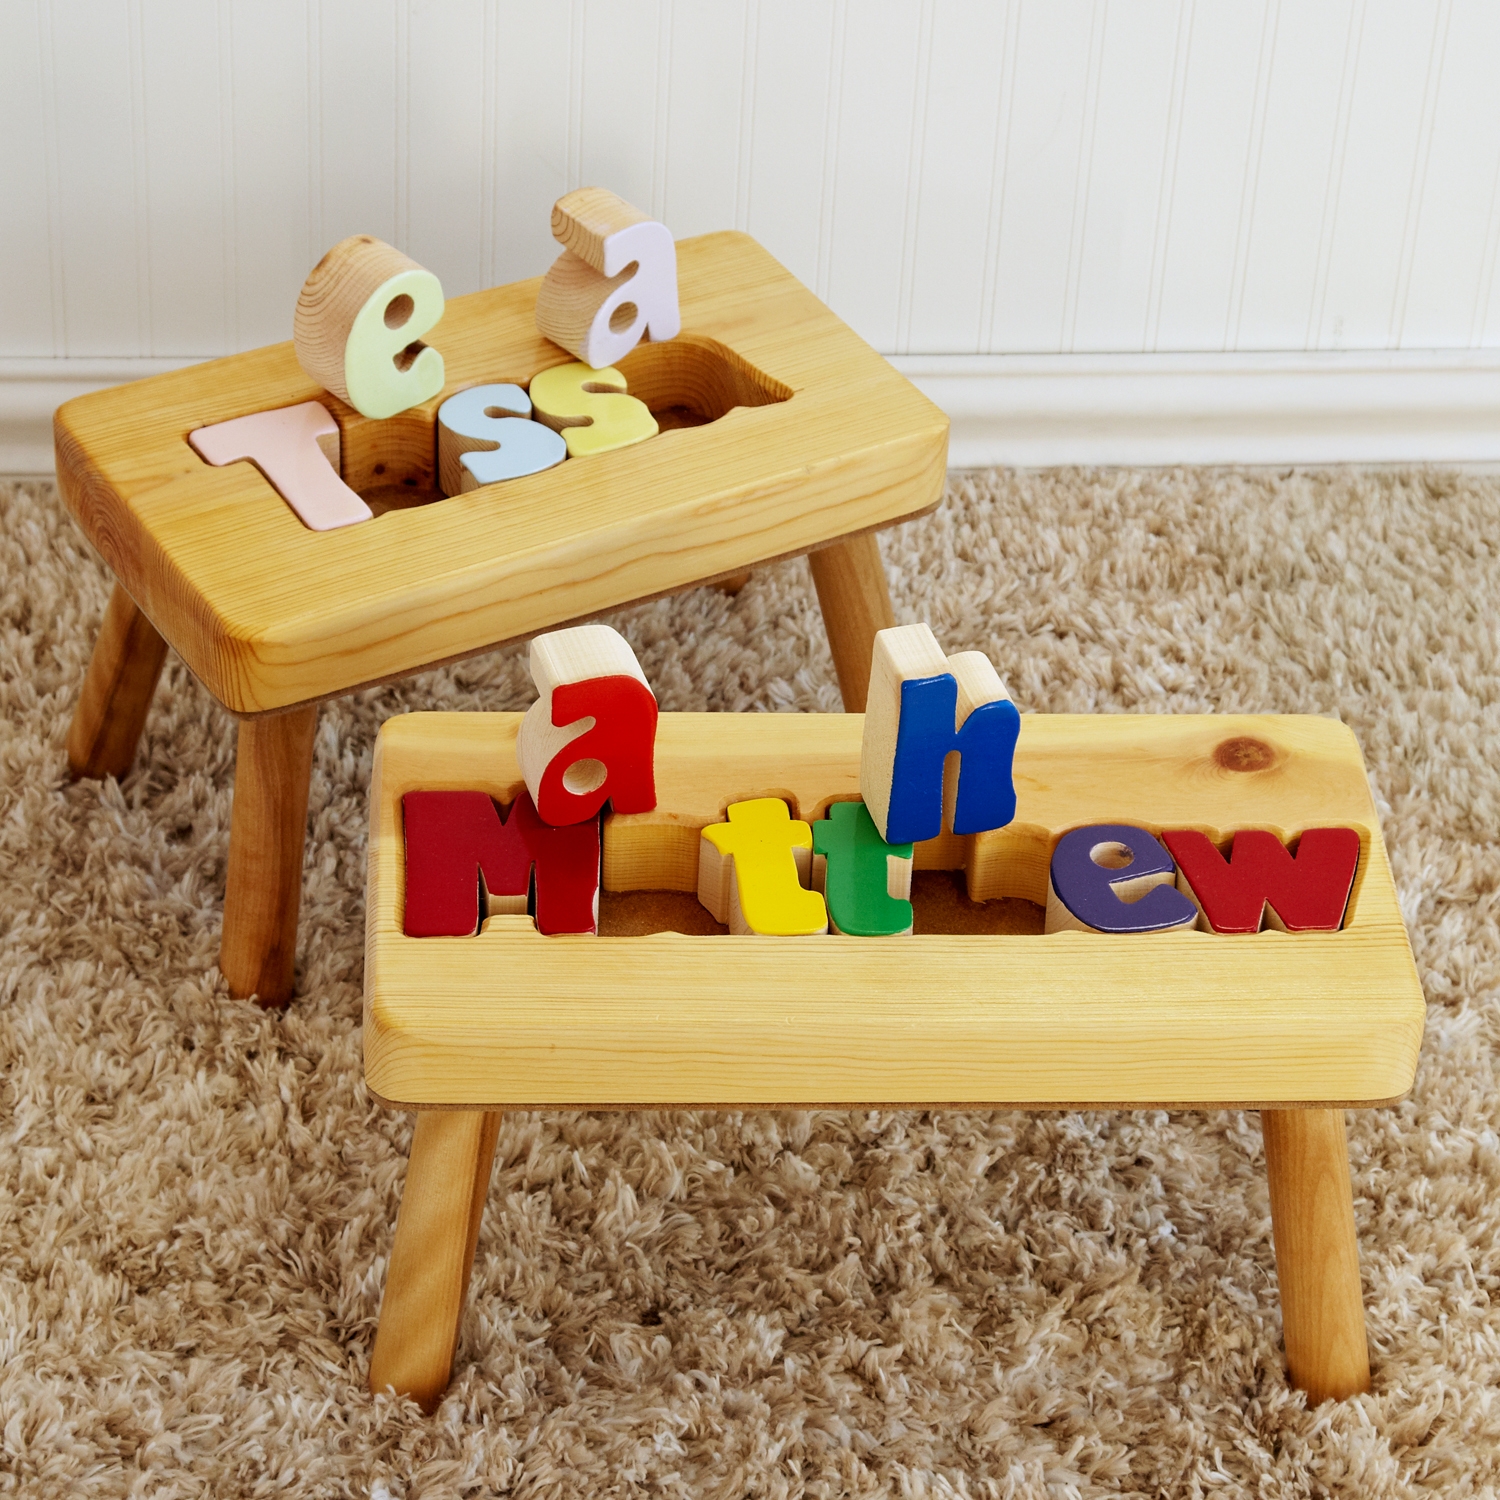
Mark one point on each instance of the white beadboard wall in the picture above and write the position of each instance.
(1096, 230)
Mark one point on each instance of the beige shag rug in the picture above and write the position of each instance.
(198, 1197)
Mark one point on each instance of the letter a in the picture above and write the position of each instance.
(590, 737)
(614, 283)
(922, 707)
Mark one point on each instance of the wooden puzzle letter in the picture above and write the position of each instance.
(922, 707)
(591, 734)
(590, 409)
(866, 881)
(566, 864)
(752, 872)
(359, 324)
(1262, 881)
(615, 282)
(483, 436)
(291, 447)
(454, 842)
(457, 846)
(1116, 879)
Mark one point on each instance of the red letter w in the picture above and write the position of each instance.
(1261, 878)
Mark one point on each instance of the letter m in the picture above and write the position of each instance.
(462, 861)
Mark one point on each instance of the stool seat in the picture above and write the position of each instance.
(813, 437)
(1297, 1025)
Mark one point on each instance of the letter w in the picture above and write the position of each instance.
(1262, 879)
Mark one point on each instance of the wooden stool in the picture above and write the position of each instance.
(783, 434)
(1299, 1026)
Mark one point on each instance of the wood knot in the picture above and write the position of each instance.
(1244, 754)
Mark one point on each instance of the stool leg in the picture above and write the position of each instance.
(1317, 1258)
(268, 827)
(427, 1282)
(117, 691)
(856, 603)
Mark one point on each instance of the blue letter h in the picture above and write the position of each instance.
(986, 745)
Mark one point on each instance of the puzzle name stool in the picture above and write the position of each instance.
(782, 434)
(1299, 1025)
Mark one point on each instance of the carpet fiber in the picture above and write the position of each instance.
(198, 1198)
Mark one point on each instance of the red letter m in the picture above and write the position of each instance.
(458, 851)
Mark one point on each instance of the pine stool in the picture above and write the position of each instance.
(783, 434)
(1298, 1026)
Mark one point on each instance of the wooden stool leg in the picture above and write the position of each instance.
(1317, 1258)
(427, 1283)
(117, 691)
(273, 766)
(856, 603)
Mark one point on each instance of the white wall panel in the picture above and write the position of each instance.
(709, 116)
(26, 230)
(944, 293)
(1455, 216)
(872, 186)
(616, 102)
(1039, 187)
(442, 182)
(533, 148)
(794, 92)
(1142, 58)
(1228, 59)
(1380, 177)
(274, 242)
(189, 165)
(954, 176)
(1313, 54)
(357, 83)
(92, 62)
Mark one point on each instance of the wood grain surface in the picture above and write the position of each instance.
(269, 614)
(437, 1229)
(511, 1018)
(267, 832)
(1317, 1255)
(117, 691)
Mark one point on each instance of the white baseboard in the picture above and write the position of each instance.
(32, 389)
(1036, 411)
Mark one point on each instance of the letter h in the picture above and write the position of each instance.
(924, 707)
